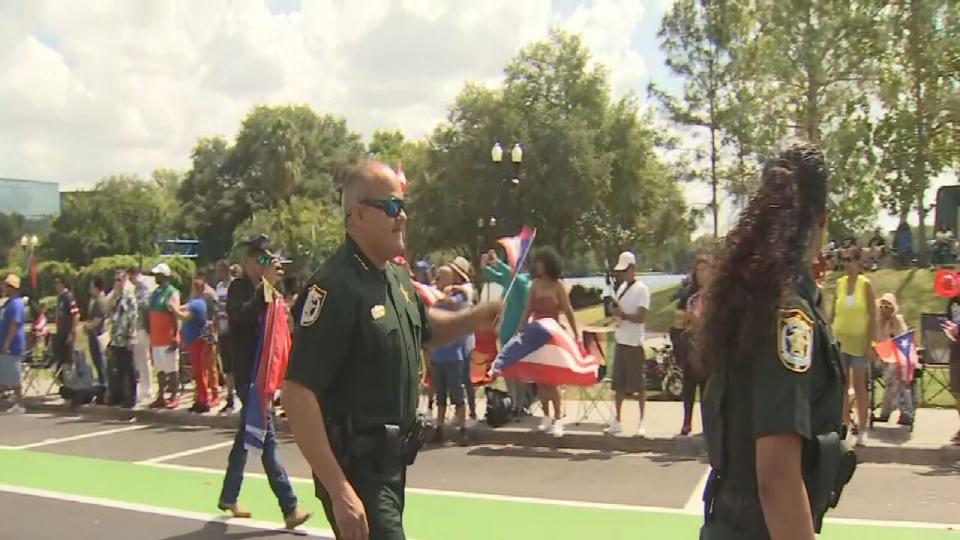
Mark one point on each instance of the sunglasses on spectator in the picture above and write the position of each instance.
(391, 206)
(265, 260)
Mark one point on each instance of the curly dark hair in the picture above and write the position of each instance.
(552, 263)
(763, 257)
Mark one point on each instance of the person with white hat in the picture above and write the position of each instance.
(630, 309)
(165, 337)
(12, 342)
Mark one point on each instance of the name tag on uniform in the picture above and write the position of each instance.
(377, 312)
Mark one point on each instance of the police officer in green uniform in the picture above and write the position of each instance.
(772, 408)
(351, 390)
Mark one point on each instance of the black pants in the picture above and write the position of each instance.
(123, 377)
(691, 379)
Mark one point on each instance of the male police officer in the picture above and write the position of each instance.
(351, 390)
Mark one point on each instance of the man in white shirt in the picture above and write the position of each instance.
(630, 307)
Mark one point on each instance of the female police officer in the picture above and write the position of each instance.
(772, 407)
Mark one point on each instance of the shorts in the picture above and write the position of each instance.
(447, 381)
(165, 360)
(628, 369)
(10, 370)
(852, 362)
(226, 355)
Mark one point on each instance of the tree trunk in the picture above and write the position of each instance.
(918, 180)
(713, 150)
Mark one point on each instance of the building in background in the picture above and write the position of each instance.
(38, 202)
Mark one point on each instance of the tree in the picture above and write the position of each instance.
(12, 227)
(814, 65)
(121, 214)
(695, 37)
(280, 153)
(305, 230)
(916, 83)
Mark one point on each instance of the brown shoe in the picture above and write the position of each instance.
(296, 518)
(235, 510)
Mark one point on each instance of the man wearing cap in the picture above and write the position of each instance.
(352, 385)
(67, 319)
(421, 272)
(165, 338)
(141, 347)
(630, 310)
(245, 306)
(12, 342)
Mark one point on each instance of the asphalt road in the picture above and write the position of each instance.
(578, 479)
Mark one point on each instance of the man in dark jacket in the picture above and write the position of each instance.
(245, 306)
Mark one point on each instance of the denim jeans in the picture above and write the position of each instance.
(276, 475)
(96, 354)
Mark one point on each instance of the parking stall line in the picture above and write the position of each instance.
(695, 502)
(185, 453)
(102, 433)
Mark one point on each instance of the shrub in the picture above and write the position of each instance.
(583, 297)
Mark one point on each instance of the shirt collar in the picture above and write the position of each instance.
(361, 261)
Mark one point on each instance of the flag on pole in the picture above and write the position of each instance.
(902, 352)
(543, 352)
(268, 370)
(401, 176)
(516, 247)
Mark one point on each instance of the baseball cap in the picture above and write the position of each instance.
(626, 260)
(421, 266)
(260, 242)
(161, 269)
(13, 280)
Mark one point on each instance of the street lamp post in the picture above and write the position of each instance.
(510, 175)
(28, 243)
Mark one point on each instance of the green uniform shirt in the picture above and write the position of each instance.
(357, 341)
(793, 384)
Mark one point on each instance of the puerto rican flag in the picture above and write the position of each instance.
(402, 177)
(516, 247)
(902, 352)
(543, 352)
(428, 293)
(268, 369)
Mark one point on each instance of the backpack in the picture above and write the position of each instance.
(499, 407)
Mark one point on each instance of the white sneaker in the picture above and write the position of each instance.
(545, 424)
(640, 431)
(557, 430)
(614, 428)
(16, 408)
(861, 439)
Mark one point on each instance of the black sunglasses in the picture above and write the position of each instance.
(391, 207)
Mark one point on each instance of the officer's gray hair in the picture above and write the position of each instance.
(354, 183)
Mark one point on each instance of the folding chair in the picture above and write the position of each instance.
(35, 363)
(595, 398)
(935, 364)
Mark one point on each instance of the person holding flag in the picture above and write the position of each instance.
(516, 287)
(548, 297)
(899, 364)
(247, 308)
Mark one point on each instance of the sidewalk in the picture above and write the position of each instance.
(928, 444)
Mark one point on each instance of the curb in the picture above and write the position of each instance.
(679, 447)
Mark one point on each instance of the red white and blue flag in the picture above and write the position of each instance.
(517, 247)
(428, 293)
(543, 352)
(268, 370)
(902, 352)
(402, 177)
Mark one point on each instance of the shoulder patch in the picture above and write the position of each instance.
(795, 340)
(312, 305)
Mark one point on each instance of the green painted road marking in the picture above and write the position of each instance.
(428, 516)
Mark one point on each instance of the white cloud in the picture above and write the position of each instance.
(100, 87)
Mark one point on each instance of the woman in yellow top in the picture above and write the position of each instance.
(854, 325)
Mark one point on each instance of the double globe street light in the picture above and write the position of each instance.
(511, 172)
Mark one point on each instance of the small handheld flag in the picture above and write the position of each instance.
(517, 247)
(902, 352)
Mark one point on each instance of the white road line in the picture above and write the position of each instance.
(142, 508)
(695, 502)
(185, 453)
(583, 504)
(48, 442)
